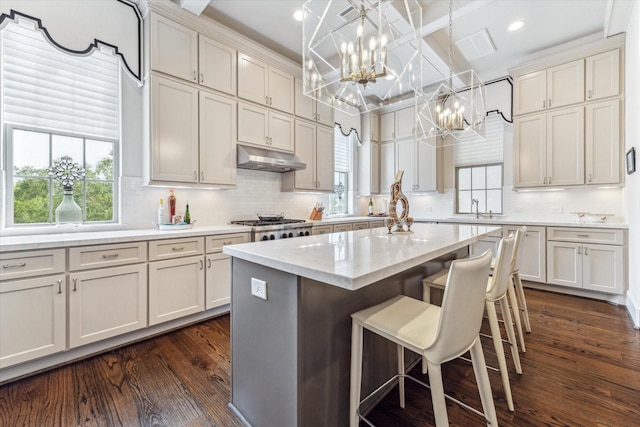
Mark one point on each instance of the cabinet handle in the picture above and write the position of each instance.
(586, 251)
(201, 77)
(201, 265)
(177, 249)
(59, 286)
(586, 236)
(589, 94)
(75, 284)
(195, 76)
(227, 243)
(544, 181)
(579, 252)
(549, 103)
(195, 175)
(109, 256)
(266, 100)
(549, 181)
(590, 178)
(208, 262)
(270, 101)
(544, 103)
(202, 175)
(22, 264)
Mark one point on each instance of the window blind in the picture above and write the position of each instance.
(470, 150)
(36, 78)
(342, 151)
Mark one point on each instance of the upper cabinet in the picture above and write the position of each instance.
(182, 52)
(387, 126)
(310, 109)
(264, 128)
(603, 75)
(263, 84)
(423, 171)
(405, 126)
(314, 147)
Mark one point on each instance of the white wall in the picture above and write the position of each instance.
(632, 136)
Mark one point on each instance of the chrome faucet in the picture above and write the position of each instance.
(477, 206)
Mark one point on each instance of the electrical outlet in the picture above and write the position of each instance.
(259, 288)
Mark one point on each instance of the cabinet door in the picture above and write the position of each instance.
(338, 228)
(406, 154)
(603, 75)
(217, 65)
(107, 302)
(565, 147)
(218, 124)
(530, 93)
(534, 253)
(480, 246)
(174, 131)
(603, 268)
(602, 143)
(253, 125)
(564, 264)
(405, 122)
(530, 151)
(176, 288)
(253, 76)
(322, 229)
(565, 84)
(305, 106)
(360, 226)
(305, 179)
(281, 132)
(174, 48)
(387, 166)
(387, 126)
(324, 158)
(281, 90)
(218, 281)
(426, 174)
(375, 127)
(324, 112)
(32, 318)
(375, 168)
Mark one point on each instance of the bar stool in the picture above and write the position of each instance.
(517, 282)
(439, 334)
(496, 291)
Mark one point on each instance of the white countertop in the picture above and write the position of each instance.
(66, 240)
(354, 259)
(498, 220)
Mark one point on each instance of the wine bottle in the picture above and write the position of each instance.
(187, 215)
(172, 205)
(370, 206)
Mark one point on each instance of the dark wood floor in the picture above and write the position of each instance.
(581, 368)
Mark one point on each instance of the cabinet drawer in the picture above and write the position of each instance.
(107, 255)
(215, 243)
(360, 225)
(322, 229)
(342, 227)
(587, 235)
(15, 265)
(175, 248)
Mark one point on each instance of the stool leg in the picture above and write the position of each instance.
(402, 372)
(511, 293)
(437, 395)
(511, 335)
(497, 344)
(426, 293)
(356, 373)
(484, 386)
(523, 300)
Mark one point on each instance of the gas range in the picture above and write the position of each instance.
(282, 228)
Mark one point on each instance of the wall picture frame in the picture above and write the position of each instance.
(631, 160)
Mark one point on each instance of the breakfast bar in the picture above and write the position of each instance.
(290, 315)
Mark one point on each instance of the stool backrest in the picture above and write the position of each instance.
(499, 281)
(462, 308)
(516, 260)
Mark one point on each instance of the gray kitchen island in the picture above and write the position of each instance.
(290, 316)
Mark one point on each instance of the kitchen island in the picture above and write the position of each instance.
(290, 313)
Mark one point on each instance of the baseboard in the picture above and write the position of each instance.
(633, 308)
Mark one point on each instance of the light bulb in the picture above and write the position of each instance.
(372, 43)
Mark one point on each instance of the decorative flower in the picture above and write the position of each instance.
(66, 172)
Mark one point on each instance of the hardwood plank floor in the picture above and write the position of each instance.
(581, 368)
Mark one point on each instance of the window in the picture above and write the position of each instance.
(339, 200)
(57, 105)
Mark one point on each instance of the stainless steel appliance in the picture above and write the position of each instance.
(276, 227)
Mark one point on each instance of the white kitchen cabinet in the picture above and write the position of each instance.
(218, 269)
(602, 142)
(405, 123)
(369, 168)
(360, 226)
(479, 247)
(322, 229)
(554, 87)
(218, 133)
(174, 48)
(264, 128)
(338, 228)
(549, 148)
(534, 253)
(419, 161)
(261, 83)
(106, 302)
(32, 317)
(374, 127)
(387, 126)
(575, 259)
(310, 109)
(217, 65)
(603, 75)
(314, 147)
(387, 166)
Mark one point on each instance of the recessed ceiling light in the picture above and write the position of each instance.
(298, 14)
(516, 25)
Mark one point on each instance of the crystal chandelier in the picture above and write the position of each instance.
(360, 64)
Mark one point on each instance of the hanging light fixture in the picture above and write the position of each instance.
(457, 107)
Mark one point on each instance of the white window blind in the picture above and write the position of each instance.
(342, 151)
(37, 77)
(470, 150)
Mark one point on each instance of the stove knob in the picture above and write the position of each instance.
(290, 234)
(301, 234)
(272, 237)
(306, 233)
(265, 238)
(284, 235)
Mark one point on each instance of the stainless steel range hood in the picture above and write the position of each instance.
(266, 160)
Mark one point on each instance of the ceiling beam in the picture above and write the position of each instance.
(616, 17)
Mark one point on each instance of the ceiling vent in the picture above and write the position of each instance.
(476, 45)
(349, 14)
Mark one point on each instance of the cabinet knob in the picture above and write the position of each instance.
(201, 77)
(195, 76)
(589, 94)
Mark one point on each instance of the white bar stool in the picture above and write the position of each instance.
(496, 290)
(438, 334)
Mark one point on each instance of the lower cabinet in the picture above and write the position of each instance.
(106, 302)
(534, 253)
(481, 245)
(322, 229)
(360, 225)
(342, 227)
(176, 288)
(32, 318)
(218, 280)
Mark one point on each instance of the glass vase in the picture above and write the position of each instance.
(68, 212)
